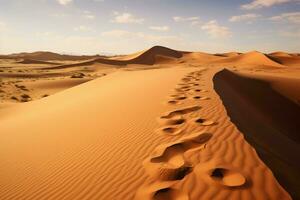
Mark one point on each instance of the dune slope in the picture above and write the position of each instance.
(271, 124)
(251, 58)
(86, 142)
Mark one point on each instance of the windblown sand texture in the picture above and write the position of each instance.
(143, 126)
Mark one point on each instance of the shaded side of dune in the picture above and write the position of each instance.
(269, 121)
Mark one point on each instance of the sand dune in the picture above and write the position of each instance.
(46, 56)
(272, 128)
(279, 53)
(251, 58)
(156, 54)
(30, 61)
(287, 60)
(145, 126)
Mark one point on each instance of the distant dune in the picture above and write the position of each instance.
(154, 55)
(46, 56)
(30, 61)
(252, 58)
(286, 59)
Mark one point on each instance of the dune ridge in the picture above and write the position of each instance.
(271, 128)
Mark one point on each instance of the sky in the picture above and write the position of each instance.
(127, 26)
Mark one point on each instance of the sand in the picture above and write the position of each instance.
(146, 126)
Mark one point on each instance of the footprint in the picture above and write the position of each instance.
(172, 102)
(201, 98)
(228, 177)
(219, 172)
(186, 79)
(180, 98)
(204, 122)
(172, 173)
(176, 121)
(181, 111)
(170, 130)
(172, 154)
(169, 194)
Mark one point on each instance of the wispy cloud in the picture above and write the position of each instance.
(127, 18)
(88, 15)
(246, 17)
(291, 17)
(184, 19)
(159, 28)
(215, 30)
(64, 2)
(255, 4)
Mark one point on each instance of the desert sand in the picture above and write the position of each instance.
(157, 124)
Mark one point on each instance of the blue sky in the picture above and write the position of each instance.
(125, 26)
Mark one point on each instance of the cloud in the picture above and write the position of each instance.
(184, 19)
(263, 3)
(245, 17)
(82, 28)
(213, 29)
(88, 15)
(64, 2)
(127, 18)
(291, 17)
(159, 28)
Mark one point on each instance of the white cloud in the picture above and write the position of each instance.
(82, 28)
(159, 28)
(245, 17)
(215, 30)
(64, 2)
(127, 18)
(184, 19)
(292, 17)
(88, 15)
(263, 3)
